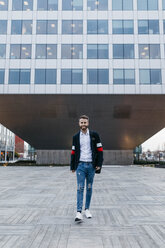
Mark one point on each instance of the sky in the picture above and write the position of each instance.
(156, 142)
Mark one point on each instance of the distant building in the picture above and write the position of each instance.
(7, 143)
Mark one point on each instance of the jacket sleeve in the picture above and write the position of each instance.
(99, 149)
(72, 163)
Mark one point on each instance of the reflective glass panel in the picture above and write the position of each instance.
(117, 27)
(2, 76)
(25, 76)
(102, 27)
(27, 27)
(129, 76)
(154, 51)
(144, 76)
(40, 51)
(72, 4)
(66, 51)
(3, 27)
(127, 4)
(77, 76)
(40, 76)
(163, 4)
(50, 76)
(92, 26)
(51, 51)
(103, 51)
(42, 4)
(97, 5)
(76, 51)
(92, 76)
(14, 76)
(27, 5)
(51, 27)
(117, 4)
(103, 76)
(118, 51)
(66, 76)
(164, 26)
(17, 5)
(156, 76)
(15, 51)
(16, 27)
(144, 51)
(128, 27)
(72, 27)
(3, 5)
(128, 51)
(153, 26)
(142, 4)
(152, 4)
(143, 27)
(2, 51)
(118, 76)
(92, 51)
(41, 27)
(26, 51)
(52, 4)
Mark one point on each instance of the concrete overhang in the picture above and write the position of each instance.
(49, 121)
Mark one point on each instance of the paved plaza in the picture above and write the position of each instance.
(38, 205)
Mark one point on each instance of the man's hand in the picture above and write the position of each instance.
(98, 168)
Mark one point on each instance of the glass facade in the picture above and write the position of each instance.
(47, 5)
(20, 51)
(97, 27)
(45, 76)
(19, 76)
(148, 26)
(2, 51)
(46, 27)
(98, 76)
(72, 27)
(72, 4)
(122, 27)
(46, 51)
(97, 5)
(122, 4)
(73, 51)
(97, 51)
(123, 51)
(147, 4)
(2, 76)
(124, 76)
(150, 76)
(71, 76)
(149, 51)
(22, 5)
(3, 5)
(3, 27)
(21, 27)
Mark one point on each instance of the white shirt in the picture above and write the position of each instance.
(85, 147)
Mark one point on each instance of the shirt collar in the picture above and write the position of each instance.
(87, 133)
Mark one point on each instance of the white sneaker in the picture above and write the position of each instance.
(88, 214)
(78, 217)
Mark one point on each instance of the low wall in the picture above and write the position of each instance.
(111, 157)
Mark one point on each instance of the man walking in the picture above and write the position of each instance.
(86, 160)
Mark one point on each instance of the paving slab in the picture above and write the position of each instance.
(38, 206)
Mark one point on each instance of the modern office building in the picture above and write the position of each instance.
(63, 58)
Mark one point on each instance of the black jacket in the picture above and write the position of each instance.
(96, 147)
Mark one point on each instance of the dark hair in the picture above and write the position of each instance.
(84, 117)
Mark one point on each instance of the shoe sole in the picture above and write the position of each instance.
(78, 220)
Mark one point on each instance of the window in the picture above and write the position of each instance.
(98, 76)
(2, 51)
(163, 4)
(97, 5)
(21, 27)
(46, 27)
(3, 5)
(3, 27)
(20, 51)
(22, 5)
(47, 5)
(72, 27)
(124, 76)
(97, 51)
(45, 76)
(150, 76)
(164, 26)
(123, 51)
(149, 51)
(71, 76)
(73, 51)
(2, 76)
(97, 27)
(46, 51)
(147, 4)
(148, 27)
(19, 76)
(122, 27)
(72, 4)
(122, 5)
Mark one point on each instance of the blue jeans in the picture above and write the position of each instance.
(84, 171)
